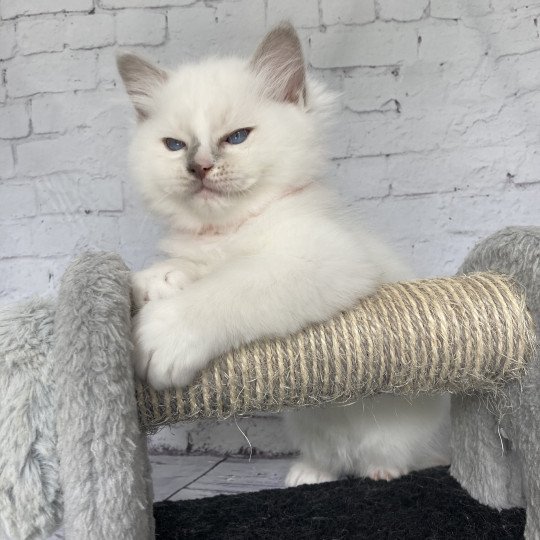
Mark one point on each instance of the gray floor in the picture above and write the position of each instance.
(193, 477)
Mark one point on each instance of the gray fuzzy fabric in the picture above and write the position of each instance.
(104, 467)
(67, 371)
(30, 498)
(496, 440)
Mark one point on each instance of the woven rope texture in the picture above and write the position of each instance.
(460, 334)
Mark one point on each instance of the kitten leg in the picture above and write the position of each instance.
(399, 435)
(303, 472)
(382, 438)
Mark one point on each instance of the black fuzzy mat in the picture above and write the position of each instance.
(426, 504)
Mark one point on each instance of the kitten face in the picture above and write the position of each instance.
(217, 138)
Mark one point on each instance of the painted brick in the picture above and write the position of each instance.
(371, 89)
(389, 133)
(40, 35)
(101, 193)
(305, 13)
(53, 113)
(425, 216)
(224, 24)
(458, 9)
(172, 439)
(347, 47)
(23, 278)
(264, 434)
(54, 236)
(14, 121)
(511, 124)
(512, 75)
(7, 165)
(117, 4)
(414, 94)
(70, 193)
(457, 214)
(140, 27)
(16, 200)
(398, 10)
(32, 156)
(58, 194)
(365, 177)
(516, 33)
(475, 170)
(16, 237)
(241, 38)
(108, 76)
(87, 32)
(184, 26)
(74, 152)
(15, 8)
(32, 74)
(7, 40)
(347, 11)
(526, 172)
(451, 41)
(512, 5)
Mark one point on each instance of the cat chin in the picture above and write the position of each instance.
(199, 210)
(202, 209)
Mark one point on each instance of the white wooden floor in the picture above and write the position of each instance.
(193, 477)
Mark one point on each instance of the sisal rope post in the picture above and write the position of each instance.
(460, 334)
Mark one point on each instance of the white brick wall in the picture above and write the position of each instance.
(35, 74)
(347, 11)
(139, 27)
(16, 8)
(437, 144)
(397, 10)
(40, 35)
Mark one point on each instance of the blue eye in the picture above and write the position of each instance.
(174, 144)
(238, 137)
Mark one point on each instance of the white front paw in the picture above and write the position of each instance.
(157, 282)
(170, 348)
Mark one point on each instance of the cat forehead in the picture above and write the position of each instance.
(211, 87)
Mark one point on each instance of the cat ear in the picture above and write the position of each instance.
(141, 78)
(280, 62)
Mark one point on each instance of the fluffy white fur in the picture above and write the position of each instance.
(258, 247)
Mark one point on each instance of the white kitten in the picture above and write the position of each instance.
(231, 152)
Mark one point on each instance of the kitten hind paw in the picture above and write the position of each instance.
(386, 473)
(304, 473)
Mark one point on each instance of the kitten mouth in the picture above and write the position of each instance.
(206, 191)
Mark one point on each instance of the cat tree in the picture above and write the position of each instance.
(73, 420)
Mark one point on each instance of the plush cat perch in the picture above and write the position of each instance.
(71, 447)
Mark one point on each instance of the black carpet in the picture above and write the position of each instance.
(427, 504)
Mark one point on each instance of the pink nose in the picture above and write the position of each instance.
(200, 169)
